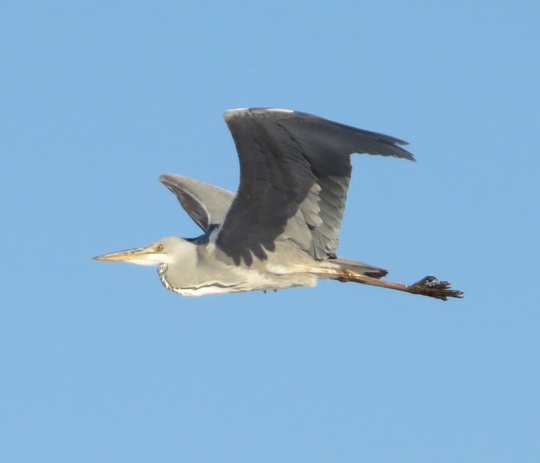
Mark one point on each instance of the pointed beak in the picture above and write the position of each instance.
(135, 256)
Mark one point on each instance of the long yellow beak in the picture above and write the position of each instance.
(130, 255)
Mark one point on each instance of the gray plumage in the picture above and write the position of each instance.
(282, 227)
(298, 167)
(206, 204)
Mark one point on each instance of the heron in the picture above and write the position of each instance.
(280, 230)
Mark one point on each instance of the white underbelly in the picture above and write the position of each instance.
(250, 281)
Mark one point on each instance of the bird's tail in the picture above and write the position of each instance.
(359, 267)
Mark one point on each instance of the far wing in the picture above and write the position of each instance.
(292, 166)
(206, 204)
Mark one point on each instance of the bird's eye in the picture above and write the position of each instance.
(159, 248)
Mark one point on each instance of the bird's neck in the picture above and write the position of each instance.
(162, 272)
(182, 272)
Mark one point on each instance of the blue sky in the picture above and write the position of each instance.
(99, 363)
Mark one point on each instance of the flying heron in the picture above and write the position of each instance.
(281, 229)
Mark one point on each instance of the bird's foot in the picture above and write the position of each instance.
(430, 286)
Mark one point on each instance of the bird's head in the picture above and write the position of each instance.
(165, 251)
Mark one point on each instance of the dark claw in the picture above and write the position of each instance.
(429, 286)
(424, 281)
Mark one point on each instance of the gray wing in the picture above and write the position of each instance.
(294, 177)
(206, 204)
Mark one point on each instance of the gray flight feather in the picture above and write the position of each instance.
(206, 204)
(294, 177)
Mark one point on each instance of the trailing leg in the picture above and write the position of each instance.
(427, 286)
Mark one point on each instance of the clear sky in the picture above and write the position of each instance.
(99, 363)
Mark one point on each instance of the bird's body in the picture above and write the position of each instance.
(198, 277)
(281, 229)
(202, 263)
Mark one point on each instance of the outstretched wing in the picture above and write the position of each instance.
(206, 204)
(294, 177)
